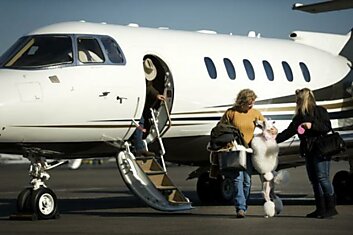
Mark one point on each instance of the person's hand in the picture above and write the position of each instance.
(306, 125)
(161, 97)
(273, 131)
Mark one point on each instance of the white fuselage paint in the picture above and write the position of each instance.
(30, 101)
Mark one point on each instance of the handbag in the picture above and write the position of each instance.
(330, 144)
(232, 160)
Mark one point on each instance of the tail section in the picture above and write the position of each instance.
(347, 50)
(333, 43)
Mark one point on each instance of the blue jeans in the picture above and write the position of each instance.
(137, 136)
(318, 171)
(242, 186)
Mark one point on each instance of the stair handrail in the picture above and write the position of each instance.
(162, 152)
(165, 129)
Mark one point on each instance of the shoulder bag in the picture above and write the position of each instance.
(232, 160)
(330, 144)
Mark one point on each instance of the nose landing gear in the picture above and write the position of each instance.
(36, 204)
(37, 201)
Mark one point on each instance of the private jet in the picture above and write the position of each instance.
(78, 90)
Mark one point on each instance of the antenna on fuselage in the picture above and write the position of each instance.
(252, 34)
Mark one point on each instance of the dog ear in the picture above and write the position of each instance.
(259, 123)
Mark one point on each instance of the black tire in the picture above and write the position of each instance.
(44, 203)
(207, 189)
(226, 189)
(24, 200)
(343, 183)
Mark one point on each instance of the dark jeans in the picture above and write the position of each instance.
(319, 175)
(138, 135)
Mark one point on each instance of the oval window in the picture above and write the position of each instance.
(305, 71)
(249, 69)
(287, 71)
(268, 70)
(230, 68)
(211, 68)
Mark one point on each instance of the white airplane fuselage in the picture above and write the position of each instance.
(73, 109)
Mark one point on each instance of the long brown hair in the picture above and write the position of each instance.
(244, 98)
(306, 102)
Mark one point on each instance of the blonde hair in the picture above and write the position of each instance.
(306, 102)
(244, 98)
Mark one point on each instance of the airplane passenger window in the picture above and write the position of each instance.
(268, 70)
(305, 71)
(230, 68)
(211, 68)
(42, 50)
(249, 69)
(89, 50)
(287, 71)
(113, 50)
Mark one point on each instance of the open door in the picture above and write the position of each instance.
(163, 83)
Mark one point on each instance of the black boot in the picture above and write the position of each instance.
(320, 208)
(330, 203)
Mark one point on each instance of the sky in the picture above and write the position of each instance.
(271, 18)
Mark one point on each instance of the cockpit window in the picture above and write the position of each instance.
(89, 50)
(4, 57)
(41, 51)
(113, 50)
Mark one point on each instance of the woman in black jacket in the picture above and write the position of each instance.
(309, 122)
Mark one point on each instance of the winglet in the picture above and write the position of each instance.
(325, 6)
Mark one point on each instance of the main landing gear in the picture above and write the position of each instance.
(343, 185)
(219, 189)
(37, 201)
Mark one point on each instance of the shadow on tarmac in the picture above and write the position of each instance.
(94, 205)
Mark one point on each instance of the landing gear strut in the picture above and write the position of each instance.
(37, 201)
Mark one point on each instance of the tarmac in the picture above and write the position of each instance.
(95, 200)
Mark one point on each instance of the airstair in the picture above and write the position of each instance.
(149, 179)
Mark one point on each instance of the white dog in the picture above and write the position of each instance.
(265, 161)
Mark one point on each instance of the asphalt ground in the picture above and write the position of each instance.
(95, 200)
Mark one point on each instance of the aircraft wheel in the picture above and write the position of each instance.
(343, 186)
(206, 188)
(226, 187)
(44, 203)
(23, 200)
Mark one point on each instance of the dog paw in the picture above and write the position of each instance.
(269, 208)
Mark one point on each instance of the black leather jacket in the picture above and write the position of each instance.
(321, 125)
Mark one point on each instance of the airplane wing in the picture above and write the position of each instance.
(319, 7)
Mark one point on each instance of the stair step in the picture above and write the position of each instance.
(144, 158)
(150, 182)
(154, 172)
(149, 165)
(166, 187)
(177, 197)
(162, 182)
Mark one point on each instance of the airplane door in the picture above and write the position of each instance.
(117, 90)
(163, 82)
(121, 97)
